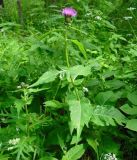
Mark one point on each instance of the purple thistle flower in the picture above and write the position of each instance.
(69, 12)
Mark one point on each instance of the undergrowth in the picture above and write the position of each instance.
(68, 92)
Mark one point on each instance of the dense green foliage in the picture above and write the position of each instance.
(68, 92)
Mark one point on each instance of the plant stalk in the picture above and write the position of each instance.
(68, 64)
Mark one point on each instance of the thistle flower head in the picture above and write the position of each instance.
(69, 12)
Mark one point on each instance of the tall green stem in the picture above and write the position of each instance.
(26, 109)
(66, 49)
(132, 29)
(25, 99)
(68, 64)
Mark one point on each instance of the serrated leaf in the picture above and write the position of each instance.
(81, 47)
(129, 110)
(103, 97)
(47, 77)
(74, 153)
(19, 104)
(132, 124)
(132, 97)
(24, 148)
(107, 115)
(80, 113)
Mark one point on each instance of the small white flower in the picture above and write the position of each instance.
(2, 30)
(108, 156)
(128, 17)
(10, 148)
(98, 18)
(14, 141)
(3, 119)
(131, 8)
(17, 129)
(61, 75)
(129, 35)
(0, 144)
(18, 87)
(85, 89)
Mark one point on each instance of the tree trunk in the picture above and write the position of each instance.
(1, 3)
(19, 5)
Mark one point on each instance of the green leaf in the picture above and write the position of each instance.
(19, 104)
(129, 110)
(80, 113)
(74, 153)
(3, 157)
(107, 115)
(109, 145)
(94, 144)
(53, 104)
(81, 47)
(78, 70)
(35, 90)
(132, 97)
(74, 140)
(47, 77)
(24, 148)
(103, 97)
(61, 141)
(115, 84)
(132, 124)
(109, 25)
(57, 136)
(108, 74)
(48, 157)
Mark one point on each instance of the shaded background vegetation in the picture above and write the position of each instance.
(38, 91)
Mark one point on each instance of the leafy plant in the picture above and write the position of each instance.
(68, 91)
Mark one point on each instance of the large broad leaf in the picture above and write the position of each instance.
(107, 115)
(78, 70)
(132, 124)
(74, 153)
(132, 98)
(115, 84)
(103, 97)
(47, 77)
(129, 110)
(80, 113)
